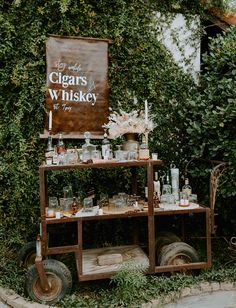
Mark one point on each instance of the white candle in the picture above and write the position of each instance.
(50, 121)
(146, 112)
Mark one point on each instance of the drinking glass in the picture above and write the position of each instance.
(52, 206)
(104, 200)
(88, 205)
(67, 192)
(133, 155)
(65, 204)
(119, 153)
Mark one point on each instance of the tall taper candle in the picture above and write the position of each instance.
(50, 121)
(146, 112)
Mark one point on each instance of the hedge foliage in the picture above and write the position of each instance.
(187, 116)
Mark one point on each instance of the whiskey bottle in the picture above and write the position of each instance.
(144, 150)
(49, 150)
(74, 206)
(186, 187)
(61, 145)
(157, 186)
(55, 156)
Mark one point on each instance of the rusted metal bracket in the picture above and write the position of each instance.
(39, 266)
(218, 168)
(42, 275)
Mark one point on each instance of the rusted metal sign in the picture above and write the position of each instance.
(77, 85)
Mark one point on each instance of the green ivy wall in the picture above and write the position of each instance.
(138, 64)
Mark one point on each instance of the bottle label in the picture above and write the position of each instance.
(60, 149)
(188, 191)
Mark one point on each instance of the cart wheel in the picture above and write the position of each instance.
(165, 238)
(59, 279)
(178, 253)
(27, 254)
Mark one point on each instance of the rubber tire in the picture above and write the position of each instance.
(26, 255)
(59, 277)
(181, 249)
(165, 238)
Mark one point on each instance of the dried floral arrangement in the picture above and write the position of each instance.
(122, 122)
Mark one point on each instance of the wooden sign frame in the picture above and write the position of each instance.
(77, 86)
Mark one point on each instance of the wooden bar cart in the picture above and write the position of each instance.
(49, 280)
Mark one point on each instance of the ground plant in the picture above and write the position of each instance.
(192, 119)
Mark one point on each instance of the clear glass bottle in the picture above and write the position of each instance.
(105, 146)
(55, 156)
(49, 150)
(144, 151)
(49, 143)
(186, 187)
(166, 188)
(157, 185)
(87, 147)
(60, 145)
(119, 153)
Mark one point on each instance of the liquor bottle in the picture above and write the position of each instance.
(157, 186)
(175, 182)
(166, 187)
(60, 145)
(74, 206)
(49, 150)
(144, 150)
(105, 146)
(55, 156)
(186, 187)
(49, 143)
(87, 147)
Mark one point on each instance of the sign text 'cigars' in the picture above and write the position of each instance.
(74, 85)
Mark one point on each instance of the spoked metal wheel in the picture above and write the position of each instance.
(59, 280)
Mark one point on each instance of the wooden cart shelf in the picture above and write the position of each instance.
(130, 252)
(86, 258)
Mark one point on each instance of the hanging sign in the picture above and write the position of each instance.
(77, 85)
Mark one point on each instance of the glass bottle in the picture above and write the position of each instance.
(60, 144)
(186, 187)
(49, 150)
(49, 143)
(74, 206)
(55, 156)
(105, 146)
(157, 185)
(87, 147)
(166, 188)
(119, 154)
(144, 150)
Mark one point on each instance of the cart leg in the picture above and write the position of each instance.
(42, 275)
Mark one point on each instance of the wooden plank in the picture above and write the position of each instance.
(129, 253)
(173, 268)
(105, 164)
